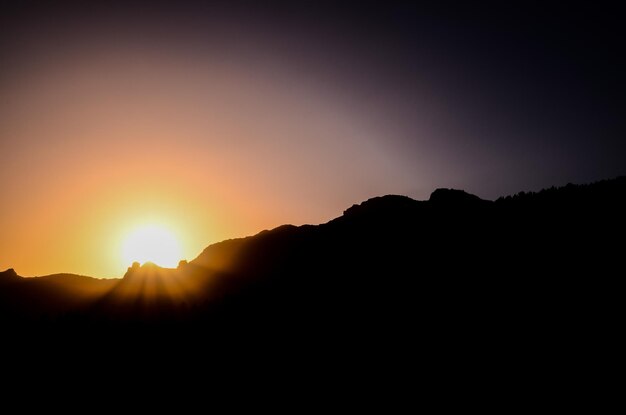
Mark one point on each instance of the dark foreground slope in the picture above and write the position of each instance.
(454, 275)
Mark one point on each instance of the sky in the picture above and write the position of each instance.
(223, 119)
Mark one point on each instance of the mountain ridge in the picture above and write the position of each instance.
(442, 197)
(459, 284)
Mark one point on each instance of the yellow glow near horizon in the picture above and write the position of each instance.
(152, 243)
(97, 141)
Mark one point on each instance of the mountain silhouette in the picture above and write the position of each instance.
(8, 276)
(391, 274)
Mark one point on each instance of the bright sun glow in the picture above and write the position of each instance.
(152, 243)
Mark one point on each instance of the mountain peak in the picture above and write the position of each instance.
(381, 204)
(8, 275)
(454, 197)
(137, 270)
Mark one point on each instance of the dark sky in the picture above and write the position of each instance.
(511, 97)
(291, 112)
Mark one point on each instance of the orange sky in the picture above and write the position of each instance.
(96, 141)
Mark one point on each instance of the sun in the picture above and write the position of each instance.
(152, 243)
